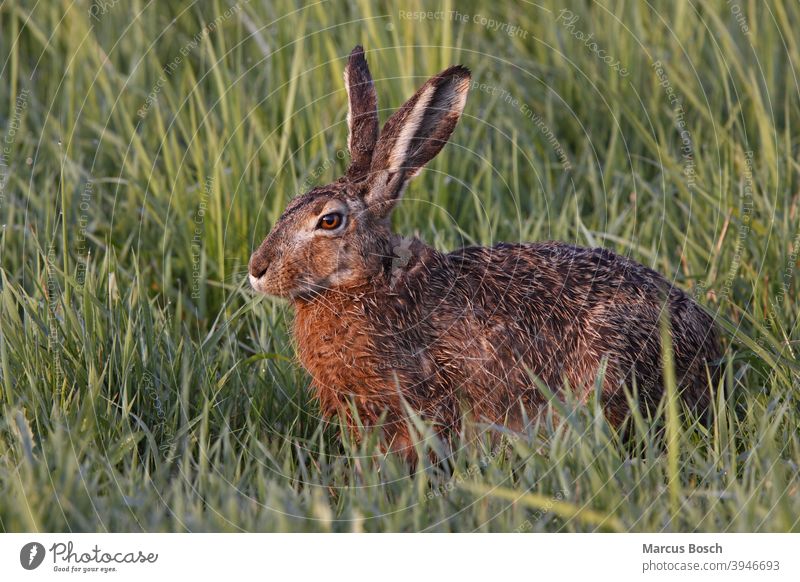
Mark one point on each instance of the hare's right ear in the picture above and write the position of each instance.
(413, 135)
(362, 114)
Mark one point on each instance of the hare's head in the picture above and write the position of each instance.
(338, 236)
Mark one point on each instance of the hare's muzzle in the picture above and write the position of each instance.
(257, 267)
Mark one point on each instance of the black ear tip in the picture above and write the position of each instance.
(357, 60)
(456, 73)
(461, 71)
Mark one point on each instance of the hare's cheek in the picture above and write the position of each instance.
(328, 262)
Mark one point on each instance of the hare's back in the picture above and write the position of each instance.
(555, 271)
(564, 308)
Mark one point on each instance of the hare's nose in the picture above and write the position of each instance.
(258, 265)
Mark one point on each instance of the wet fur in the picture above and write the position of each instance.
(382, 321)
(462, 331)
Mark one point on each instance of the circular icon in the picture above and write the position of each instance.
(31, 555)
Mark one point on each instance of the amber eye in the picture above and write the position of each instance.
(330, 221)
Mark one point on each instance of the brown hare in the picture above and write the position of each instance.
(383, 322)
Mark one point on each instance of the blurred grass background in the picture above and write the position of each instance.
(148, 147)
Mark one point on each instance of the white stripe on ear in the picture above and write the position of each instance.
(349, 108)
(399, 152)
(460, 97)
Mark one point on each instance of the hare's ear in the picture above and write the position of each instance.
(414, 134)
(362, 114)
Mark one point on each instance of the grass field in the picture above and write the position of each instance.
(148, 147)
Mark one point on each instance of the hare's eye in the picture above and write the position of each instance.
(330, 221)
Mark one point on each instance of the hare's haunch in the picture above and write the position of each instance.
(381, 318)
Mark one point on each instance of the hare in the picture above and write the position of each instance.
(385, 323)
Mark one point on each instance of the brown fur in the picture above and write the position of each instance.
(381, 319)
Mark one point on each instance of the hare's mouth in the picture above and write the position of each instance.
(266, 286)
(255, 283)
(259, 285)
(300, 290)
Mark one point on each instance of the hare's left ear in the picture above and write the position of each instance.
(362, 114)
(413, 135)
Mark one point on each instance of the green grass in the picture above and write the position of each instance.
(144, 388)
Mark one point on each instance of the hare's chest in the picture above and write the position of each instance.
(335, 347)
